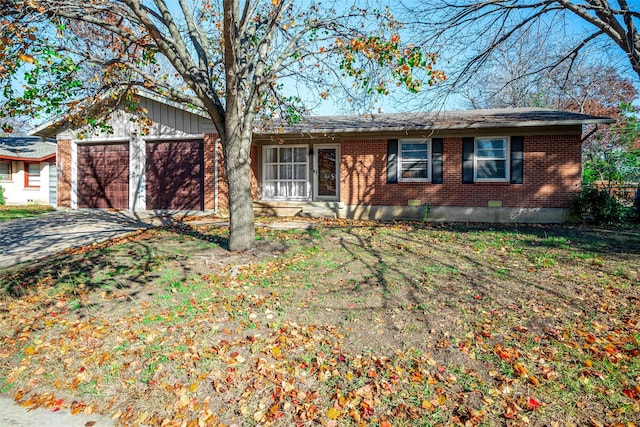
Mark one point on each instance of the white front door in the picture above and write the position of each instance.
(326, 171)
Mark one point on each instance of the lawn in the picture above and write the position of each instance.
(22, 211)
(348, 323)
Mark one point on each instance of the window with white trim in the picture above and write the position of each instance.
(286, 170)
(5, 171)
(32, 177)
(414, 159)
(491, 159)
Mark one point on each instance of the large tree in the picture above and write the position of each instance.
(232, 59)
(477, 30)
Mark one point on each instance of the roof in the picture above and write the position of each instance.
(442, 120)
(26, 148)
(409, 121)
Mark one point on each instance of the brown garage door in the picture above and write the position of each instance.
(103, 176)
(175, 175)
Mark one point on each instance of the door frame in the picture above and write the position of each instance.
(317, 147)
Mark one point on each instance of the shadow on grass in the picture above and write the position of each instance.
(124, 264)
(436, 267)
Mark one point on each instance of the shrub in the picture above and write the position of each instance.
(2, 200)
(598, 204)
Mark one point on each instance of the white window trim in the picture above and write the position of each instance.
(507, 163)
(426, 141)
(307, 182)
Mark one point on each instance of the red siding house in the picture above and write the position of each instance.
(507, 165)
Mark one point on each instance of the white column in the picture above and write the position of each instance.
(74, 175)
(137, 179)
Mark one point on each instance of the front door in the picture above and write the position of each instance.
(326, 168)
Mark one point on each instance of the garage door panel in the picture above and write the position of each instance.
(103, 176)
(175, 175)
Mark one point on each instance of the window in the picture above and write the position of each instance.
(32, 175)
(413, 160)
(285, 172)
(5, 171)
(491, 159)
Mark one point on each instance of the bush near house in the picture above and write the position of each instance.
(600, 206)
(2, 200)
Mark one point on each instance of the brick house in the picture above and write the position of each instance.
(507, 165)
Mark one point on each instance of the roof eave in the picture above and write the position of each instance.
(28, 159)
(51, 126)
(477, 125)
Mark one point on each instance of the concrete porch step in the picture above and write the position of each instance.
(304, 209)
(318, 212)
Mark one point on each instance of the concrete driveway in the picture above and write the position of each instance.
(11, 414)
(28, 239)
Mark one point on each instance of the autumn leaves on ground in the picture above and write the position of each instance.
(346, 324)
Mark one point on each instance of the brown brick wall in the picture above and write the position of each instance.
(63, 159)
(552, 169)
(223, 186)
(209, 170)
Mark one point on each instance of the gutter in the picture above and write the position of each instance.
(400, 128)
(594, 130)
(28, 159)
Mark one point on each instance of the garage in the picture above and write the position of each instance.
(103, 176)
(175, 175)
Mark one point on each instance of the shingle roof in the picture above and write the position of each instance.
(392, 122)
(461, 119)
(26, 148)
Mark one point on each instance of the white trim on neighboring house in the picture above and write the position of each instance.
(506, 159)
(425, 141)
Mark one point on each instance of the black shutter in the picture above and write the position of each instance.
(392, 161)
(468, 148)
(436, 160)
(517, 157)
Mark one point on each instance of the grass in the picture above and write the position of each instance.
(23, 211)
(351, 323)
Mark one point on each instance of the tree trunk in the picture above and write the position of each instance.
(238, 165)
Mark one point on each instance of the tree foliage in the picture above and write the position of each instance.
(232, 59)
(476, 31)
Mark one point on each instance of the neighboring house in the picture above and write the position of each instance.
(28, 170)
(510, 165)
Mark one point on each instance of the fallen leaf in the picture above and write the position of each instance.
(333, 413)
(533, 403)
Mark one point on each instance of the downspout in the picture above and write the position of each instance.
(594, 130)
(215, 175)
